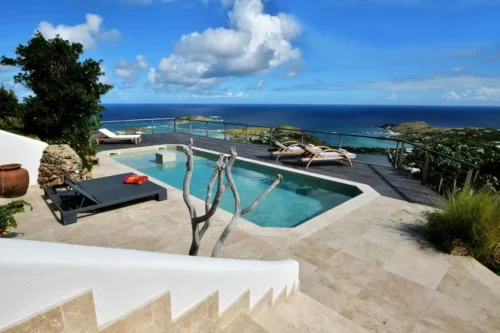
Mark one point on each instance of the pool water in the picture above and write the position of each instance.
(297, 199)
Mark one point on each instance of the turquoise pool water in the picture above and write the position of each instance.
(297, 199)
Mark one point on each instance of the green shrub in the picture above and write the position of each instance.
(472, 216)
(7, 220)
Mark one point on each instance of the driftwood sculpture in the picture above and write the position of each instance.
(200, 224)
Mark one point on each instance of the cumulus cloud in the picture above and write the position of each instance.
(451, 96)
(393, 97)
(104, 78)
(141, 61)
(254, 43)
(130, 71)
(481, 94)
(88, 33)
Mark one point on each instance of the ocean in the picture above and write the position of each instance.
(349, 119)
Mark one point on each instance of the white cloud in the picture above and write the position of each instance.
(221, 95)
(7, 69)
(255, 43)
(257, 86)
(458, 69)
(88, 33)
(480, 94)
(130, 71)
(141, 61)
(393, 97)
(451, 96)
(104, 78)
(442, 83)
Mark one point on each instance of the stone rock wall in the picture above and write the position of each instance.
(60, 157)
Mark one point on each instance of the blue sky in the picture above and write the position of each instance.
(444, 52)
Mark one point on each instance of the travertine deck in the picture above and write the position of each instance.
(369, 266)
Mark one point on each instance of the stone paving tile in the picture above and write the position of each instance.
(379, 314)
(388, 303)
(249, 248)
(445, 314)
(425, 267)
(316, 253)
(461, 286)
(368, 251)
(331, 238)
(328, 289)
(410, 295)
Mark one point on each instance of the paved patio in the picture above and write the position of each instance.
(370, 266)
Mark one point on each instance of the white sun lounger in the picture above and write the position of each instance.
(328, 155)
(109, 136)
(293, 148)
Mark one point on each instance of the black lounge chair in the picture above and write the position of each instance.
(89, 195)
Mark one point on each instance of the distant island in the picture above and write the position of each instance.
(412, 127)
(195, 118)
(262, 135)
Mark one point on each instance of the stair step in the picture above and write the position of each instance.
(244, 324)
(275, 323)
(207, 327)
(311, 316)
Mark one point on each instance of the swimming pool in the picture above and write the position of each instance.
(296, 200)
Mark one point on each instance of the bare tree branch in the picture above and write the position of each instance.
(224, 164)
(276, 182)
(217, 174)
(195, 243)
(237, 204)
(187, 179)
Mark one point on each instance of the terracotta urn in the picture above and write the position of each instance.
(14, 181)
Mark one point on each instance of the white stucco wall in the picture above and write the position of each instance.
(19, 149)
(37, 275)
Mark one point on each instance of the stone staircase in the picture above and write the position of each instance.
(291, 311)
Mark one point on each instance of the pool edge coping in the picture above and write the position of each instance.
(303, 230)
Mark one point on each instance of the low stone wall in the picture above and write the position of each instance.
(62, 157)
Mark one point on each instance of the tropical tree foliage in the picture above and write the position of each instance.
(479, 146)
(66, 91)
(10, 110)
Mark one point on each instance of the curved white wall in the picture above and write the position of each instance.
(36, 275)
(19, 149)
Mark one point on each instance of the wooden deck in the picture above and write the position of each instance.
(385, 180)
